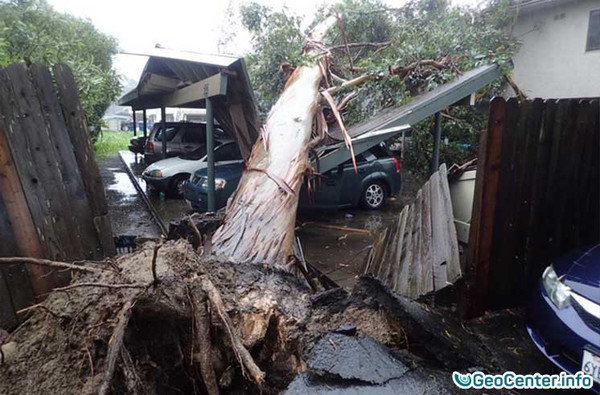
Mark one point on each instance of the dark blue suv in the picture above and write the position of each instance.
(378, 177)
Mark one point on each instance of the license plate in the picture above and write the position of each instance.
(591, 365)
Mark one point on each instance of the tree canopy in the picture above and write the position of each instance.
(32, 31)
(405, 51)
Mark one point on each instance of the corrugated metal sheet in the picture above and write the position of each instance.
(168, 70)
(419, 254)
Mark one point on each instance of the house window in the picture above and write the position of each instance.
(593, 39)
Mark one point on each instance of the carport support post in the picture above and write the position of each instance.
(145, 120)
(437, 136)
(210, 154)
(134, 123)
(163, 122)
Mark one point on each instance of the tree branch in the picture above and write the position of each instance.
(345, 39)
(404, 71)
(49, 263)
(348, 84)
(359, 45)
(515, 87)
(102, 285)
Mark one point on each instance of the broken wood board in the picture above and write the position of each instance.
(419, 253)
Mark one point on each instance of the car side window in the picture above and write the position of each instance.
(380, 151)
(360, 158)
(227, 152)
(171, 132)
(194, 135)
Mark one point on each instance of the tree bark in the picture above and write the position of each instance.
(259, 223)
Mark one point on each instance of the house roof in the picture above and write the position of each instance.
(532, 4)
(169, 70)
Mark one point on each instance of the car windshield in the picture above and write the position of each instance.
(196, 154)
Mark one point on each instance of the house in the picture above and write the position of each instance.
(560, 52)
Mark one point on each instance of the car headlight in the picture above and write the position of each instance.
(558, 292)
(154, 173)
(219, 183)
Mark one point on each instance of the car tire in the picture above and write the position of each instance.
(177, 184)
(373, 195)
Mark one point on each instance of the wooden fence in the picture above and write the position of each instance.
(536, 197)
(52, 202)
(419, 254)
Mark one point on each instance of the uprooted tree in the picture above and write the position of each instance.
(407, 51)
(167, 319)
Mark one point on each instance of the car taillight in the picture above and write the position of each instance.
(397, 163)
(150, 146)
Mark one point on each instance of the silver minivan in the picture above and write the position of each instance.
(182, 138)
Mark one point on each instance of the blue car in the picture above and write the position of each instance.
(564, 315)
(376, 178)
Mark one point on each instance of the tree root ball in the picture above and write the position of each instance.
(130, 330)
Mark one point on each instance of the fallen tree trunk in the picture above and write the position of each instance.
(259, 224)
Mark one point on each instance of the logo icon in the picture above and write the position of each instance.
(462, 380)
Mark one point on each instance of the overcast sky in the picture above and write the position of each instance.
(193, 25)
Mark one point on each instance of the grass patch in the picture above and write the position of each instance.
(110, 142)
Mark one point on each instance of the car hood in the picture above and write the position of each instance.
(228, 171)
(171, 166)
(580, 271)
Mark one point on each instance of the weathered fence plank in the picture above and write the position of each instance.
(45, 159)
(546, 201)
(75, 121)
(71, 176)
(45, 208)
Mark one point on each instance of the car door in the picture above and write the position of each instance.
(173, 143)
(193, 136)
(351, 182)
(326, 192)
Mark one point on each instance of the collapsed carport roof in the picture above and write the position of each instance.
(393, 120)
(169, 72)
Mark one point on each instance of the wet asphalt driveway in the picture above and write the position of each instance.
(337, 252)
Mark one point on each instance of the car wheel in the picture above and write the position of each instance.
(373, 196)
(177, 184)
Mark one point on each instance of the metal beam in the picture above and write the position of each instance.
(209, 87)
(163, 116)
(437, 136)
(210, 154)
(145, 122)
(134, 123)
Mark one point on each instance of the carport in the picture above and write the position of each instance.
(184, 79)
(394, 120)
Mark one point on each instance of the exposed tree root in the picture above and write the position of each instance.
(49, 263)
(115, 345)
(241, 353)
(206, 327)
(204, 355)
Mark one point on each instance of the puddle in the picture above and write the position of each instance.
(123, 185)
